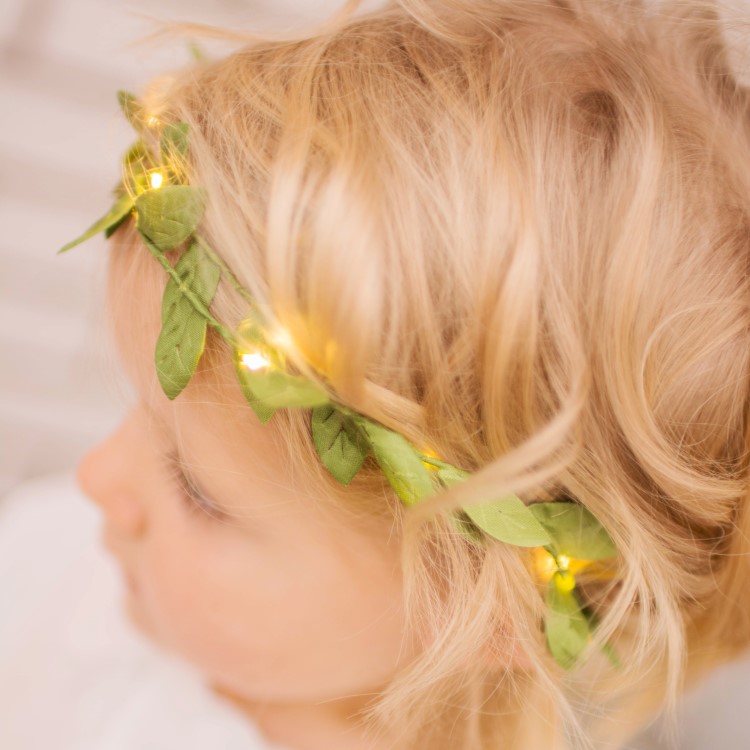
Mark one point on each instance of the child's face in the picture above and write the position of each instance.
(271, 603)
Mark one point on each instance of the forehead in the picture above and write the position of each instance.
(205, 416)
(135, 284)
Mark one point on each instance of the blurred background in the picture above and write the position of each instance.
(61, 139)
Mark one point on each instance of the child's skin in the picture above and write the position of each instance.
(296, 620)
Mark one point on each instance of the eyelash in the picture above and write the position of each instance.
(194, 502)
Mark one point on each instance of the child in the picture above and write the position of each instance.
(438, 318)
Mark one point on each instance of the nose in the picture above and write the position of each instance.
(105, 475)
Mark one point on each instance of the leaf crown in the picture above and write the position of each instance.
(167, 213)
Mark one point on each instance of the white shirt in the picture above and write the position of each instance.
(74, 673)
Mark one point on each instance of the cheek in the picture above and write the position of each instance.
(212, 596)
(289, 624)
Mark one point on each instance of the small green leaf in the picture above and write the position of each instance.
(113, 218)
(281, 390)
(339, 443)
(137, 163)
(250, 336)
(566, 627)
(607, 648)
(262, 410)
(574, 530)
(400, 462)
(449, 475)
(509, 520)
(174, 143)
(132, 109)
(463, 524)
(138, 152)
(169, 215)
(182, 337)
(112, 228)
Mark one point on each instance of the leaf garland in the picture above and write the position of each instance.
(168, 212)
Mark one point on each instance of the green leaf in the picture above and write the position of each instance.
(280, 390)
(451, 475)
(262, 410)
(169, 215)
(509, 520)
(339, 443)
(400, 462)
(607, 648)
(113, 218)
(138, 152)
(174, 143)
(566, 627)
(250, 336)
(112, 228)
(132, 109)
(182, 338)
(574, 530)
(463, 524)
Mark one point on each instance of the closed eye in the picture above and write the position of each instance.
(193, 499)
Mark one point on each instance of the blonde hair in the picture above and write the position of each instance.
(516, 232)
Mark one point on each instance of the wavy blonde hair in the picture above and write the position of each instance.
(516, 232)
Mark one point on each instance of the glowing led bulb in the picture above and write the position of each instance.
(546, 565)
(563, 561)
(431, 454)
(152, 122)
(157, 178)
(565, 581)
(254, 361)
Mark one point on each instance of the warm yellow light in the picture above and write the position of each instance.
(563, 561)
(254, 361)
(157, 178)
(545, 564)
(565, 581)
(152, 122)
(282, 338)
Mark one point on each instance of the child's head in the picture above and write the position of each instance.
(517, 233)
